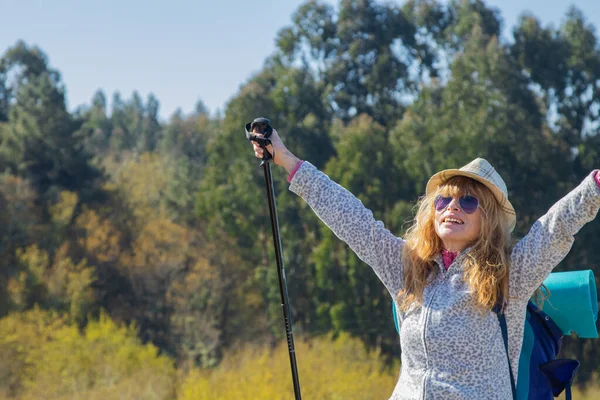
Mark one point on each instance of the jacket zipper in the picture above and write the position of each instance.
(427, 371)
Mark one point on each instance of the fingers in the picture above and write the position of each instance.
(259, 151)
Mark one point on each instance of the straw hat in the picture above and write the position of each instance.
(482, 171)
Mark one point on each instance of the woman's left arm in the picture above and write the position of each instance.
(550, 238)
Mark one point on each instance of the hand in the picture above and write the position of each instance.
(281, 155)
(277, 144)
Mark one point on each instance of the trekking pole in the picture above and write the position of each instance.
(263, 126)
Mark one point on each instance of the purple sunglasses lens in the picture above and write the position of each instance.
(441, 202)
(468, 204)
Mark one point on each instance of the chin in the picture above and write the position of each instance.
(454, 238)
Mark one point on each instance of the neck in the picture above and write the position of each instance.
(454, 248)
(450, 251)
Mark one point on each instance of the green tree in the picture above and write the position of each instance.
(120, 137)
(151, 127)
(231, 198)
(445, 27)
(38, 141)
(351, 298)
(188, 136)
(486, 109)
(21, 223)
(567, 79)
(361, 56)
(97, 127)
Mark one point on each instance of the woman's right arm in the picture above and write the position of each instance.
(345, 215)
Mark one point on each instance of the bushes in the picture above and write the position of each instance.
(46, 356)
(43, 357)
(50, 359)
(328, 370)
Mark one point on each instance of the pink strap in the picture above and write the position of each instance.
(289, 179)
(598, 178)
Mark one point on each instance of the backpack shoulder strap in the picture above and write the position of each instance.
(502, 321)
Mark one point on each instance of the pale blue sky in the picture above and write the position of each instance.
(180, 50)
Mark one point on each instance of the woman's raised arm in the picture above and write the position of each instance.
(344, 214)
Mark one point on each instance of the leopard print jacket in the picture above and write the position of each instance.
(450, 350)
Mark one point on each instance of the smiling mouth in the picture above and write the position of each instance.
(450, 220)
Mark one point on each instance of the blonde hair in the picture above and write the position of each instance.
(487, 261)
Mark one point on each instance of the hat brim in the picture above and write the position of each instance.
(442, 176)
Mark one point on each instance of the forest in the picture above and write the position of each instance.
(136, 256)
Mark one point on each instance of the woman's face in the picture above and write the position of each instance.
(455, 227)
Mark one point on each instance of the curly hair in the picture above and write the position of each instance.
(488, 257)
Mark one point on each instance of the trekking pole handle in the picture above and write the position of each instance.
(263, 126)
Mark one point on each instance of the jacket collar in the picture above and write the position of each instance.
(456, 264)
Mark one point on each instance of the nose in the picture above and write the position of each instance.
(453, 205)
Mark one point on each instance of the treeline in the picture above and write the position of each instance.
(111, 216)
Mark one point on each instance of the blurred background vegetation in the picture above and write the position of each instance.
(136, 259)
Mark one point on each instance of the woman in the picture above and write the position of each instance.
(452, 267)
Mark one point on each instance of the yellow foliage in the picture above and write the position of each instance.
(197, 301)
(17, 290)
(72, 284)
(19, 334)
(62, 211)
(161, 249)
(161, 242)
(45, 358)
(98, 236)
(35, 260)
(328, 370)
(63, 285)
(143, 180)
(48, 359)
(27, 284)
(592, 393)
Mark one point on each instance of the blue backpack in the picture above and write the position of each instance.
(542, 376)
(547, 375)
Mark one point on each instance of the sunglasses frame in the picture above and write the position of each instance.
(461, 201)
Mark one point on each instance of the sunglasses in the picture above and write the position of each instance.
(468, 203)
